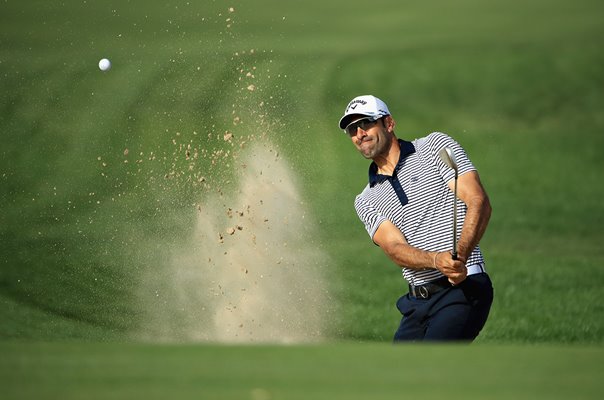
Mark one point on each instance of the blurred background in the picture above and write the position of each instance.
(200, 189)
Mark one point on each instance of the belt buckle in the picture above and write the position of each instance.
(423, 292)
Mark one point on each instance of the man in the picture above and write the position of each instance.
(407, 209)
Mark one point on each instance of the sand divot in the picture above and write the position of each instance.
(254, 271)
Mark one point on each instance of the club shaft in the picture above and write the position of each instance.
(455, 219)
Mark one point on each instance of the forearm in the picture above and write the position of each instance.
(407, 256)
(393, 243)
(477, 218)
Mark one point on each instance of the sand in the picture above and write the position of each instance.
(253, 270)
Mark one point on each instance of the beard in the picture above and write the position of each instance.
(376, 146)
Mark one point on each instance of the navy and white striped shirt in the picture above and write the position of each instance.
(417, 200)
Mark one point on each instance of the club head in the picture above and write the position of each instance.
(447, 156)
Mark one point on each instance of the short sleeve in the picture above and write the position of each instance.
(369, 215)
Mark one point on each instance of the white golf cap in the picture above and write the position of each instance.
(367, 105)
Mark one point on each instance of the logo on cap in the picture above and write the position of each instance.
(353, 104)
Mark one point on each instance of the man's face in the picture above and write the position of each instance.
(371, 138)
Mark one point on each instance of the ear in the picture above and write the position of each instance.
(389, 123)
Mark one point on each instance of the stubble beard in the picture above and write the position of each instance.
(377, 148)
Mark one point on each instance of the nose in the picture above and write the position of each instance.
(360, 133)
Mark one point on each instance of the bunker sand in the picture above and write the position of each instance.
(253, 272)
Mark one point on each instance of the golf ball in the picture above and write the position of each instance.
(105, 64)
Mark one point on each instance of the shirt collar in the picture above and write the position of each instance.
(407, 148)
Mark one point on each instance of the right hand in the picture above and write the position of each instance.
(455, 270)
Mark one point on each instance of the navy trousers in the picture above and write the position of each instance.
(457, 313)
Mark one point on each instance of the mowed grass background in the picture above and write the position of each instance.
(518, 85)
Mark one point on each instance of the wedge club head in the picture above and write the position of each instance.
(447, 156)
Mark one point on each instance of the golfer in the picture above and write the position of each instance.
(407, 209)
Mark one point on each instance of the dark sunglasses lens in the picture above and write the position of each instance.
(352, 128)
(364, 124)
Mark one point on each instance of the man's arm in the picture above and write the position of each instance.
(394, 244)
(471, 192)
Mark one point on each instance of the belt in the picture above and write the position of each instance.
(426, 290)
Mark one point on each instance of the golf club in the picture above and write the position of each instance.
(447, 156)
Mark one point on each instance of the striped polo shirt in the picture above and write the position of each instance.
(417, 200)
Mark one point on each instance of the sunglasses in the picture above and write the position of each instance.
(364, 124)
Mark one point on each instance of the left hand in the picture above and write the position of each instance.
(454, 270)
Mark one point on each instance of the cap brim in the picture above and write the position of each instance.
(347, 119)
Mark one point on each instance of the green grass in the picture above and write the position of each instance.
(343, 371)
(517, 84)
(89, 231)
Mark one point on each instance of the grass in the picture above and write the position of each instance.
(327, 371)
(83, 220)
(99, 193)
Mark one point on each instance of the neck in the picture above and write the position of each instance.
(387, 162)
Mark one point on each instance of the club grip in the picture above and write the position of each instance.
(454, 255)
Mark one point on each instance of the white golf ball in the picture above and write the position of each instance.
(105, 64)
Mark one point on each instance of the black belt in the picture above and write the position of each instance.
(426, 290)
